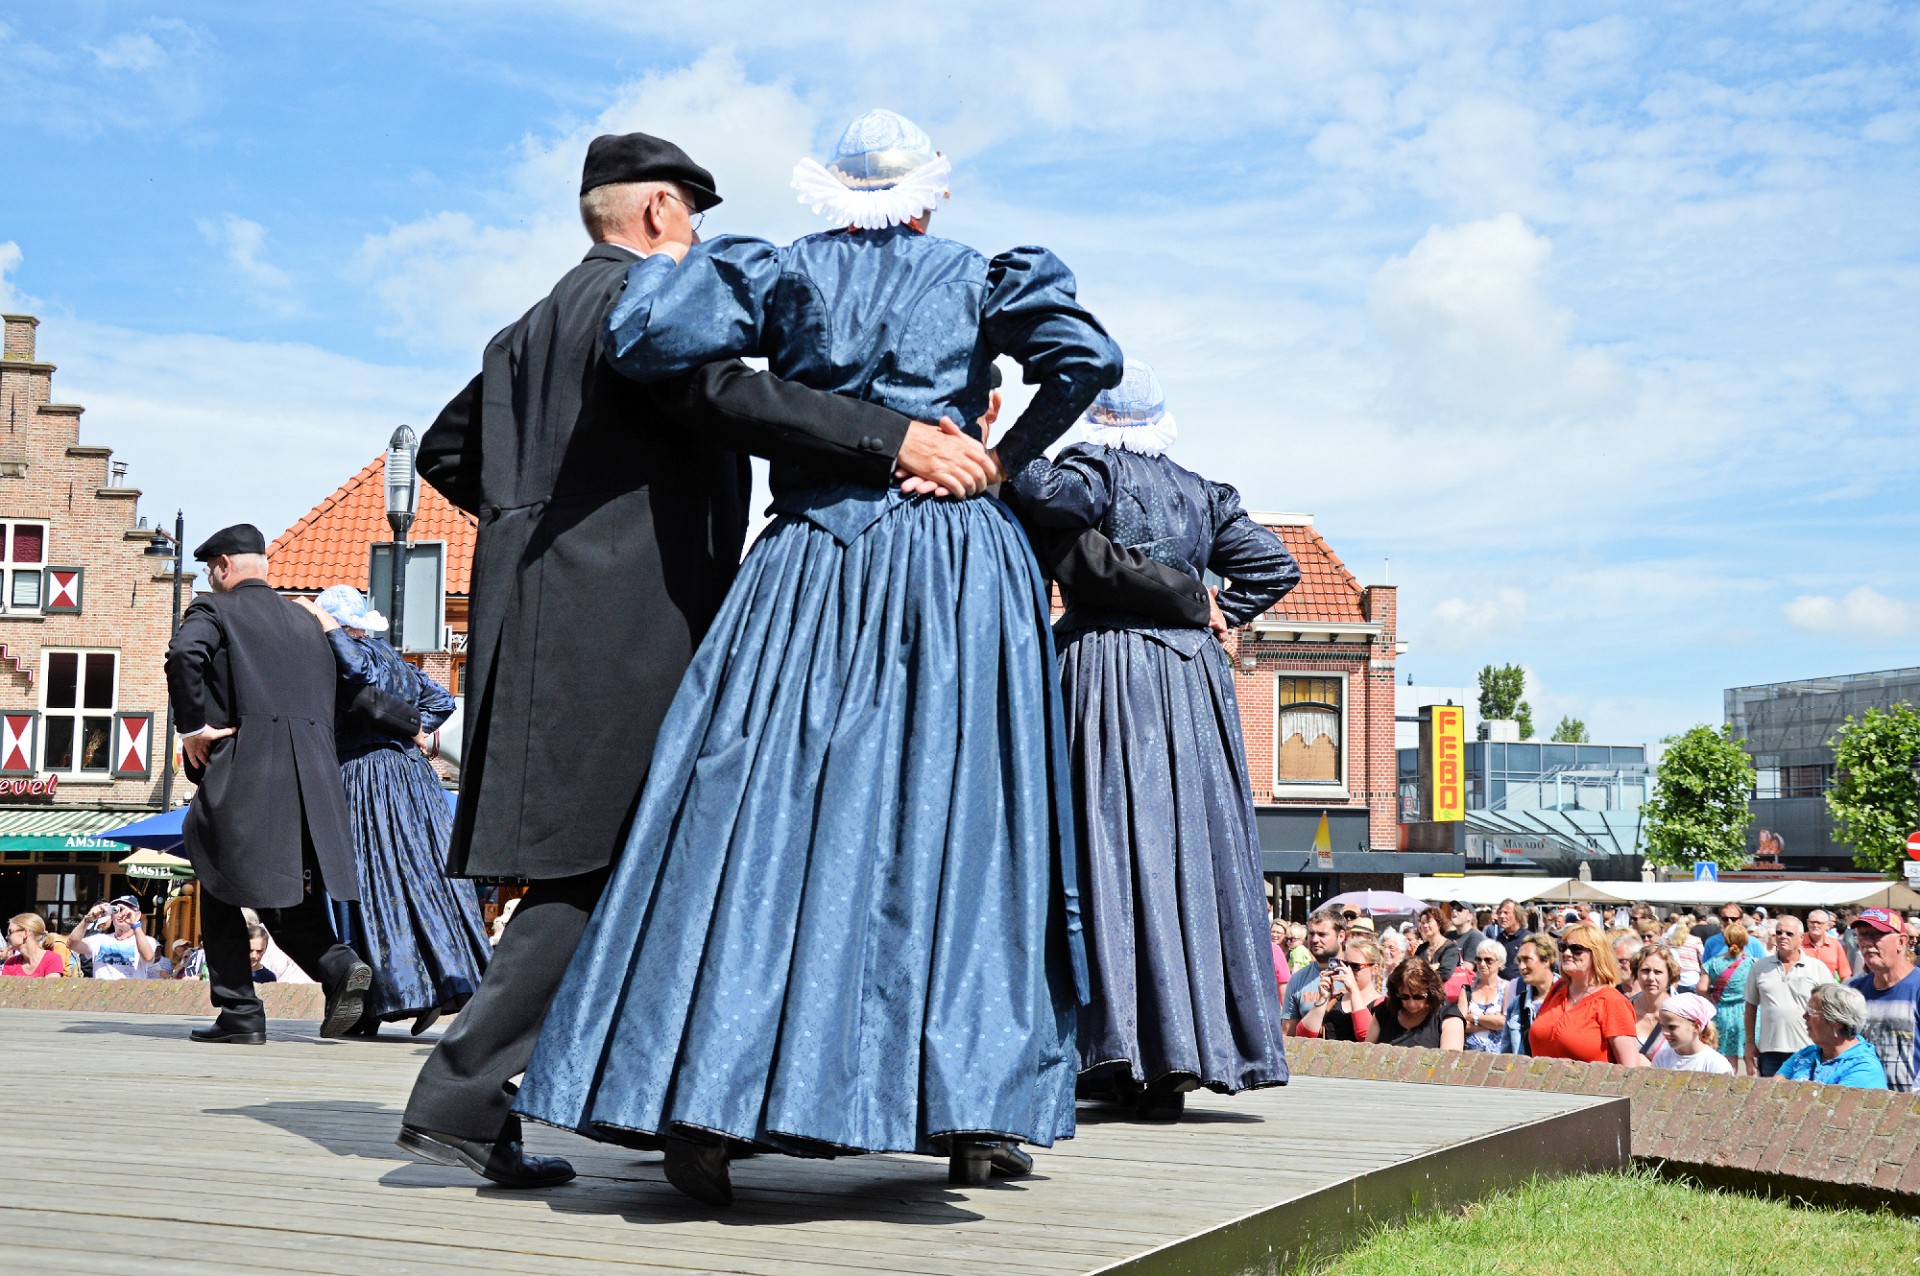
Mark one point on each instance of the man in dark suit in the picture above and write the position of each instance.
(612, 519)
(252, 680)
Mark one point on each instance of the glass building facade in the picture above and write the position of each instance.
(1548, 805)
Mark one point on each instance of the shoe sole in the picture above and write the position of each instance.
(352, 1002)
(237, 1039)
(428, 1149)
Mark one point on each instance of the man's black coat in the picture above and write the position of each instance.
(252, 660)
(612, 517)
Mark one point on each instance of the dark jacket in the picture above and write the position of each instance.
(612, 518)
(250, 659)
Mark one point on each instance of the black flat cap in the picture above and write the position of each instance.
(241, 538)
(642, 157)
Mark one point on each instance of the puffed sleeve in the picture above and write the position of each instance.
(431, 699)
(1072, 490)
(351, 659)
(672, 319)
(1033, 315)
(1253, 560)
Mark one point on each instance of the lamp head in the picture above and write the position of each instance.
(402, 481)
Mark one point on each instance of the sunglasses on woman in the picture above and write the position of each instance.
(1576, 950)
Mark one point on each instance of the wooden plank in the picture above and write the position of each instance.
(283, 1157)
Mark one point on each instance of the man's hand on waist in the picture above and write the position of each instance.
(198, 745)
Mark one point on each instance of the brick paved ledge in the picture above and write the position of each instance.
(1830, 1145)
(148, 997)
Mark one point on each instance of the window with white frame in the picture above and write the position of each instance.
(1312, 730)
(23, 565)
(79, 691)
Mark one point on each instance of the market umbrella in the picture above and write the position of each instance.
(1377, 902)
(159, 865)
(156, 832)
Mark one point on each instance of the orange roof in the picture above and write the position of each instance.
(1327, 591)
(329, 545)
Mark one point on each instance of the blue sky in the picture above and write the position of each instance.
(1599, 322)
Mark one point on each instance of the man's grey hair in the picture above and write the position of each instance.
(1841, 1006)
(247, 564)
(1822, 914)
(607, 210)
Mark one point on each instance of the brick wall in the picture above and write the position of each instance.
(1832, 1144)
(46, 472)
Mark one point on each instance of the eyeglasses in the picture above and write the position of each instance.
(1576, 950)
(1486, 961)
(694, 215)
(1415, 996)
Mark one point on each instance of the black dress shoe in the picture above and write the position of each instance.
(426, 1020)
(970, 1164)
(1009, 1162)
(699, 1170)
(503, 1161)
(221, 1034)
(347, 1000)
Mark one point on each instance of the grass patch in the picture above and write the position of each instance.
(1635, 1222)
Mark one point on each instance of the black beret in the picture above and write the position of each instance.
(642, 157)
(241, 538)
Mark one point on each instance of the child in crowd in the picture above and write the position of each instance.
(1686, 1024)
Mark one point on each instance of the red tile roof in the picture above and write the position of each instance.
(1327, 591)
(329, 545)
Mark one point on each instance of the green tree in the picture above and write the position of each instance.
(1501, 690)
(1699, 810)
(1875, 798)
(1570, 731)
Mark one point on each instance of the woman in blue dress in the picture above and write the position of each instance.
(420, 930)
(844, 920)
(1183, 988)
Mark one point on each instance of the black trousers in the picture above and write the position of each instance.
(462, 1090)
(1771, 1061)
(304, 932)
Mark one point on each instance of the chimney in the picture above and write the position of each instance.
(19, 340)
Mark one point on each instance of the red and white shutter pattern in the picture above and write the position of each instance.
(16, 743)
(132, 744)
(63, 589)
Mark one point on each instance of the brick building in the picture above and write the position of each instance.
(1315, 680)
(331, 544)
(85, 615)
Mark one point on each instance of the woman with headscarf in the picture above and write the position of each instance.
(843, 921)
(420, 930)
(1175, 902)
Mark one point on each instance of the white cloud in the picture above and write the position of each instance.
(244, 243)
(129, 51)
(449, 281)
(151, 77)
(1459, 624)
(1863, 614)
(10, 297)
(1469, 321)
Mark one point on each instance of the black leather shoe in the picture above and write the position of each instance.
(699, 1170)
(1009, 1162)
(220, 1034)
(971, 1164)
(426, 1020)
(347, 1000)
(502, 1161)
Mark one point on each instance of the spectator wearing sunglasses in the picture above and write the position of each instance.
(1483, 1005)
(1416, 1013)
(1347, 994)
(1586, 1017)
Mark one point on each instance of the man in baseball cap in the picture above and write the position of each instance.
(1892, 988)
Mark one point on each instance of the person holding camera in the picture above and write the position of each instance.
(1348, 994)
(114, 939)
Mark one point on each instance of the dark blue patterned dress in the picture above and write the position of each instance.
(1182, 969)
(420, 930)
(845, 919)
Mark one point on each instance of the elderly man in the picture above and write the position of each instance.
(1837, 1056)
(252, 684)
(1821, 943)
(1891, 987)
(612, 518)
(1777, 995)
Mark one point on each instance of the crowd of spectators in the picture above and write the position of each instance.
(1814, 998)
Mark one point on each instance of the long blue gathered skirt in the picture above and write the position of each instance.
(842, 922)
(420, 930)
(1175, 911)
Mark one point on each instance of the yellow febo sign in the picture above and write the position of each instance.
(1443, 762)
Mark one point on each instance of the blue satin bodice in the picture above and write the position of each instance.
(371, 661)
(899, 318)
(1164, 510)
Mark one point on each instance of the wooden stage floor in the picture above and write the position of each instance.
(135, 1150)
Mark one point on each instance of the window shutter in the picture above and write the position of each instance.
(17, 730)
(63, 589)
(132, 745)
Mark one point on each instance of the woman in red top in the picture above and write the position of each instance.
(1586, 1017)
(27, 951)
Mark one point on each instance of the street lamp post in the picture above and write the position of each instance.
(403, 500)
(158, 547)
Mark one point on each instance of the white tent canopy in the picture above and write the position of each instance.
(1797, 893)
